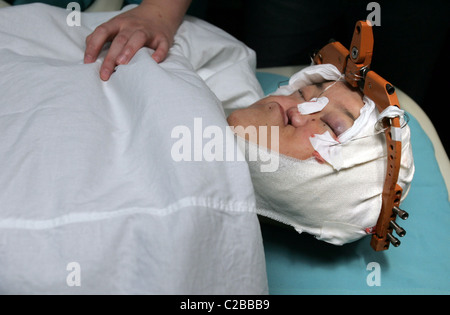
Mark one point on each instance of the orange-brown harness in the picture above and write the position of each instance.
(355, 64)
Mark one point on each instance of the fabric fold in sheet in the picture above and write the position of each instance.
(87, 173)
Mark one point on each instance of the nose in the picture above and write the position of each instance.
(296, 118)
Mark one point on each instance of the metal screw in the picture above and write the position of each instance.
(355, 53)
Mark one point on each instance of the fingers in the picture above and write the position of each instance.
(161, 51)
(96, 41)
(137, 40)
(125, 44)
(110, 62)
(123, 48)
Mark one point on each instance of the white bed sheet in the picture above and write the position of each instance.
(86, 172)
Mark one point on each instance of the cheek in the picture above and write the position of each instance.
(243, 118)
(297, 145)
(256, 124)
(259, 114)
(234, 118)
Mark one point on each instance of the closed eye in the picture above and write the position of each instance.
(337, 127)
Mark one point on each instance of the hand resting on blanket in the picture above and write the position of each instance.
(152, 24)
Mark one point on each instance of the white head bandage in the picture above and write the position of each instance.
(336, 202)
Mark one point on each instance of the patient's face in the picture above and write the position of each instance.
(295, 129)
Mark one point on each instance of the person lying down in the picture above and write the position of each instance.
(332, 167)
(332, 156)
(331, 153)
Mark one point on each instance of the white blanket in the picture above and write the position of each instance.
(91, 197)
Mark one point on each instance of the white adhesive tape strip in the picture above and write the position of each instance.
(314, 106)
(396, 133)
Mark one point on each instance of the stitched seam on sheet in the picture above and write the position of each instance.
(73, 218)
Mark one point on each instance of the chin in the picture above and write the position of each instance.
(233, 118)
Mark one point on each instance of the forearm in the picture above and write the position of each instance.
(170, 11)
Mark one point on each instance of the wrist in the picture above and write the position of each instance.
(171, 12)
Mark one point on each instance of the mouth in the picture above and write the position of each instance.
(284, 115)
(291, 113)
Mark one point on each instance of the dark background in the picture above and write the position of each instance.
(411, 45)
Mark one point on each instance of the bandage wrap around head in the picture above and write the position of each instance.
(340, 200)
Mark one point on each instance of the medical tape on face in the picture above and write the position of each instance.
(328, 148)
(314, 106)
